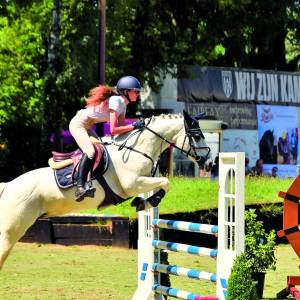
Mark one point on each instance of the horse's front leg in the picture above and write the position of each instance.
(141, 204)
(147, 184)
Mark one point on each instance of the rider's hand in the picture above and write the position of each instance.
(138, 124)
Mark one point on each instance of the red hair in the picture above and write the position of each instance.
(98, 95)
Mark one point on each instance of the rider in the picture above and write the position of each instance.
(104, 104)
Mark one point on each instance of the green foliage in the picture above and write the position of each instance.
(146, 39)
(259, 256)
(240, 284)
(78, 52)
(24, 26)
(293, 35)
(21, 62)
(259, 245)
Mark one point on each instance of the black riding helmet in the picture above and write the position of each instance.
(126, 84)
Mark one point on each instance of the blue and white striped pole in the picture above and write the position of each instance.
(180, 271)
(186, 226)
(168, 291)
(176, 247)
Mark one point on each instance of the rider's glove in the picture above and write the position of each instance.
(138, 124)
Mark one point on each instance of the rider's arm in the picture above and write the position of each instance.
(114, 124)
(121, 120)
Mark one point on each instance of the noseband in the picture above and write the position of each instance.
(195, 134)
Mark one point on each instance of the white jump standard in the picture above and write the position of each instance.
(230, 234)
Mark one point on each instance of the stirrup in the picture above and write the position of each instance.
(86, 191)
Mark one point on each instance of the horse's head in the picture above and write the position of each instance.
(193, 140)
(182, 133)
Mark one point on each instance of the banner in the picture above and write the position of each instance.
(278, 138)
(235, 115)
(242, 85)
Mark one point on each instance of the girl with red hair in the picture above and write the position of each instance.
(104, 104)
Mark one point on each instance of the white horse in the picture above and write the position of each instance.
(131, 158)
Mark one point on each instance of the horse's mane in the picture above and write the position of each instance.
(153, 120)
(164, 117)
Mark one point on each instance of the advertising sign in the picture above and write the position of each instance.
(278, 138)
(242, 141)
(241, 85)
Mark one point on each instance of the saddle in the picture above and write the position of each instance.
(61, 160)
(65, 165)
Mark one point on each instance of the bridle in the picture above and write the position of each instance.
(192, 152)
(191, 134)
(195, 133)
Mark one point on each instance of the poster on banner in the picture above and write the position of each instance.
(236, 140)
(278, 138)
(298, 159)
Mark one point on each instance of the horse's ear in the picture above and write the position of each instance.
(188, 119)
(199, 116)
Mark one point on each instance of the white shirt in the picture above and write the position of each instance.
(117, 103)
(100, 113)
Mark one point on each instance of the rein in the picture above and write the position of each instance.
(189, 135)
(131, 148)
(123, 145)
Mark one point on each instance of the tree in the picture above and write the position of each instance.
(22, 54)
(146, 39)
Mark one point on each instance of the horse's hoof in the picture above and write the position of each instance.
(136, 201)
(141, 206)
(155, 201)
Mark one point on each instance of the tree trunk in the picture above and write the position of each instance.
(51, 130)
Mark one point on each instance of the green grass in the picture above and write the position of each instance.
(51, 272)
(192, 194)
(44, 272)
(94, 273)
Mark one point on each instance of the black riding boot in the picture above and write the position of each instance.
(83, 189)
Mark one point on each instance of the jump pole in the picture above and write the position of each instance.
(230, 231)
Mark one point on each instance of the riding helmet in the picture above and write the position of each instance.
(128, 83)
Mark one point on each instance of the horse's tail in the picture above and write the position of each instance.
(2, 186)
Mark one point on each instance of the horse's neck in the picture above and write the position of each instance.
(154, 145)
